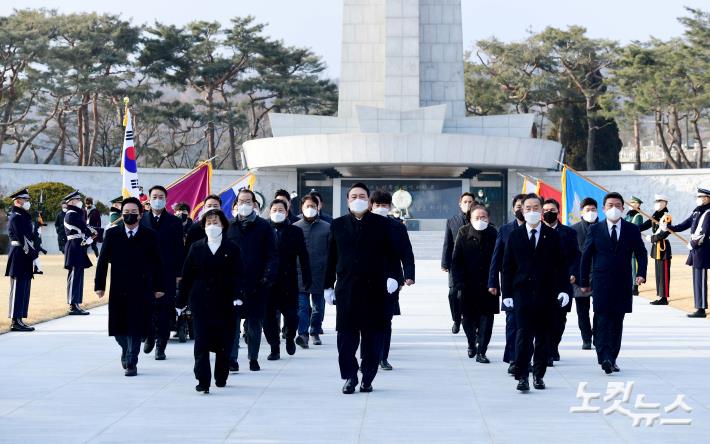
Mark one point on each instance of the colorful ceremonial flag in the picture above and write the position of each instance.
(547, 191)
(574, 189)
(129, 168)
(529, 185)
(192, 188)
(229, 195)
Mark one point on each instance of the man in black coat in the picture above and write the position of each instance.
(582, 300)
(283, 295)
(285, 197)
(453, 225)
(494, 279)
(535, 277)
(79, 237)
(20, 259)
(136, 281)
(381, 202)
(607, 254)
(359, 276)
(570, 250)
(168, 228)
(322, 215)
(258, 247)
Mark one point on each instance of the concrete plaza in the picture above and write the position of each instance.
(64, 383)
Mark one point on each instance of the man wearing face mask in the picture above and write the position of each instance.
(582, 300)
(494, 279)
(381, 203)
(660, 249)
(311, 303)
(79, 237)
(20, 259)
(699, 257)
(282, 297)
(182, 212)
(359, 277)
(568, 239)
(115, 211)
(257, 244)
(132, 251)
(284, 196)
(607, 254)
(453, 225)
(196, 232)
(535, 276)
(168, 229)
(321, 208)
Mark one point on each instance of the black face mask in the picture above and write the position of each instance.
(130, 218)
(183, 217)
(519, 215)
(550, 217)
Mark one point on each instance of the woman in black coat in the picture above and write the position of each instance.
(471, 260)
(212, 282)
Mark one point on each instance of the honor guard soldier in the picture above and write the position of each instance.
(79, 237)
(699, 257)
(114, 213)
(660, 248)
(635, 217)
(20, 259)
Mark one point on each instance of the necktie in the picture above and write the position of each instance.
(130, 234)
(532, 238)
(614, 236)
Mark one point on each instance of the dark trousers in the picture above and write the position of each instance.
(700, 287)
(310, 315)
(582, 306)
(559, 322)
(94, 246)
(608, 328)
(511, 329)
(203, 370)
(161, 319)
(288, 307)
(392, 307)
(454, 305)
(19, 297)
(478, 329)
(75, 286)
(131, 347)
(370, 343)
(534, 324)
(253, 326)
(663, 278)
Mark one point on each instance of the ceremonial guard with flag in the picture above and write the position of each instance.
(20, 259)
(660, 248)
(79, 237)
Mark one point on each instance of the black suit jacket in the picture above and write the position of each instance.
(168, 229)
(534, 278)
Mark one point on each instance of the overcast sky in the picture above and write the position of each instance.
(316, 23)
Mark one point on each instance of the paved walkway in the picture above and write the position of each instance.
(64, 383)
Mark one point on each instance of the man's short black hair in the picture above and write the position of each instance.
(588, 201)
(278, 202)
(529, 196)
(244, 190)
(553, 202)
(381, 197)
(310, 196)
(135, 201)
(475, 207)
(212, 197)
(318, 195)
(516, 199)
(283, 193)
(467, 194)
(158, 187)
(359, 185)
(613, 195)
(182, 206)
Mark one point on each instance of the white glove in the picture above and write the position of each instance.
(329, 295)
(88, 241)
(648, 237)
(696, 237)
(238, 302)
(690, 247)
(663, 226)
(392, 285)
(564, 299)
(179, 311)
(508, 302)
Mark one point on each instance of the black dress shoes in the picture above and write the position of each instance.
(660, 301)
(19, 326)
(538, 383)
(220, 383)
(550, 362)
(385, 365)
(615, 368)
(471, 352)
(75, 310)
(254, 365)
(365, 388)
(699, 313)
(149, 345)
(316, 339)
(160, 355)
(202, 388)
(607, 366)
(349, 387)
(302, 341)
(523, 384)
(291, 346)
(556, 356)
(275, 354)
(482, 359)
(131, 370)
(456, 328)
(233, 366)
(511, 369)
(586, 345)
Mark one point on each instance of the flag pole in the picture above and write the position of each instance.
(607, 190)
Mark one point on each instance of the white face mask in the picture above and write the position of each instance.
(700, 201)
(381, 211)
(213, 231)
(532, 218)
(465, 207)
(26, 206)
(310, 212)
(245, 210)
(277, 218)
(590, 216)
(658, 206)
(613, 214)
(358, 206)
(479, 225)
(79, 204)
(157, 204)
